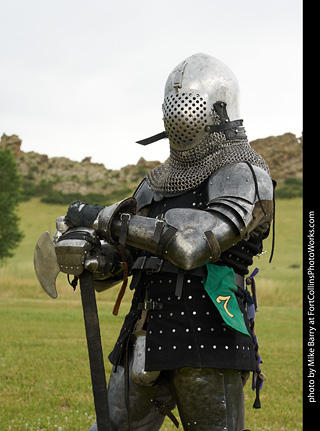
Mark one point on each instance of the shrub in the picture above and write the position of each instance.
(290, 188)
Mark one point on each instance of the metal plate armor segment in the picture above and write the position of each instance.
(235, 180)
(135, 410)
(189, 247)
(233, 192)
(71, 255)
(209, 399)
(138, 373)
(182, 240)
(143, 195)
(106, 217)
(46, 265)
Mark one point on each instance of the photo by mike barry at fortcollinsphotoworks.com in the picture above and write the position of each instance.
(310, 395)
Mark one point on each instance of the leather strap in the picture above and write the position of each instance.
(92, 327)
(125, 218)
(164, 240)
(116, 307)
(240, 281)
(165, 411)
(153, 138)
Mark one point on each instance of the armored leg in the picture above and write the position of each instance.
(134, 407)
(209, 399)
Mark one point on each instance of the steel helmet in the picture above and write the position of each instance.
(201, 96)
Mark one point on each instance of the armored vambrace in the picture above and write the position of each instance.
(239, 203)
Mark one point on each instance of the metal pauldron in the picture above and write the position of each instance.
(241, 183)
(236, 191)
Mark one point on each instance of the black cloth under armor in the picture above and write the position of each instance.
(187, 330)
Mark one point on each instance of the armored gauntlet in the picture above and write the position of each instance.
(81, 248)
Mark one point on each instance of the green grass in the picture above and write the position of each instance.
(44, 370)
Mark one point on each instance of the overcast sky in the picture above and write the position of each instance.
(86, 77)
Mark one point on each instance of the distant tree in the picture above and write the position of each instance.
(10, 235)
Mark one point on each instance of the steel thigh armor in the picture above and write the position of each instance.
(207, 399)
(132, 407)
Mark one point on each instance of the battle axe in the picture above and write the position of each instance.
(47, 268)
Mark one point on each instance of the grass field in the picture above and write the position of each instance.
(44, 371)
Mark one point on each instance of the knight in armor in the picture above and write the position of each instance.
(188, 237)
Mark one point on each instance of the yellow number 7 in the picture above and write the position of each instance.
(226, 299)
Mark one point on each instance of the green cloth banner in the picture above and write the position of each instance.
(221, 287)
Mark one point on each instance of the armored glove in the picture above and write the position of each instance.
(82, 214)
(81, 248)
(78, 246)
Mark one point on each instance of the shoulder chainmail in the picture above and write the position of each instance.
(186, 170)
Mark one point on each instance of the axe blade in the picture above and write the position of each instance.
(46, 265)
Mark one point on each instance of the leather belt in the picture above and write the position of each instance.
(153, 265)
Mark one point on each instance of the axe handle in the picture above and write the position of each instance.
(98, 377)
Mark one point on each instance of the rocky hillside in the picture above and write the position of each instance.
(283, 155)
(60, 179)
